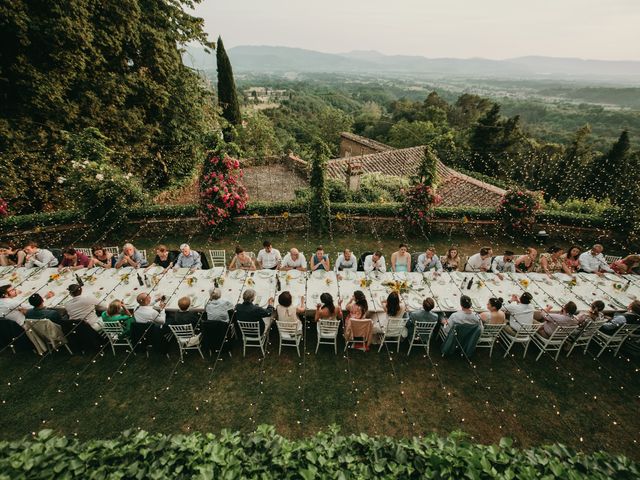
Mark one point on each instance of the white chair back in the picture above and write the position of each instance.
(114, 333)
(522, 336)
(614, 340)
(489, 336)
(611, 258)
(114, 250)
(251, 336)
(143, 254)
(392, 332)
(290, 335)
(86, 251)
(585, 336)
(328, 333)
(186, 338)
(422, 333)
(218, 258)
(555, 342)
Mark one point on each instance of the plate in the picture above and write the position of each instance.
(612, 277)
(563, 277)
(237, 274)
(265, 273)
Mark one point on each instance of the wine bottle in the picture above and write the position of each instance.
(147, 282)
(278, 285)
(80, 282)
(464, 282)
(470, 284)
(215, 282)
(140, 280)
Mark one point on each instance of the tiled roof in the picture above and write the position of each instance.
(367, 142)
(455, 188)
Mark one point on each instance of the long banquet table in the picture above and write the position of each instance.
(445, 288)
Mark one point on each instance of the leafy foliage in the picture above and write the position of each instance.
(428, 169)
(319, 209)
(419, 202)
(265, 454)
(4, 208)
(227, 95)
(518, 210)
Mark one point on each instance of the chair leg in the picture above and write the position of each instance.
(508, 349)
(335, 345)
(615, 354)
(381, 344)
(317, 344)
(200, 352)
(113, 349)
(68, 349)
(526, 348)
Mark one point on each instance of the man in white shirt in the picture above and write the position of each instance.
(145, 313)
(375, 262)
(294, 260)
(520, 312)
(593, 261)
(428, 261)
(464, 316)
(83, 307)
(346, 261)
(479, 262)
(268, 258)
(504, 263)
(38, 257)
(10, 305)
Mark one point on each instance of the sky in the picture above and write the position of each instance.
(495, 29)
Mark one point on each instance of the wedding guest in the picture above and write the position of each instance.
(286, 312)
(217, 308)
(247, 311)
(346, 261)
(464, 316)
(294, 260)
(358, 306)
(504, 263)
(188, 258)
(527, 262)
(520, 312)
(38, 257)
(184, 315)
(39, 311)
(241, 261)
(375, 263)
(479, 262)
(164, 258)
(551, 261)
(428, 261)
(147, 312)
(73, 259)
(401, 259)
(10, 255)
(327, 310)
(571, 260)
(451, 261)
(320, 261)
(631, 316)
(118, 312)
(83, 307)
(268, 258)
(494, 314)
(626, 265)
(566, 318)
(10, 305)
(101, 258)
(130, 257)
(593, 261)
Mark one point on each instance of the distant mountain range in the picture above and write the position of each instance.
(266, 59)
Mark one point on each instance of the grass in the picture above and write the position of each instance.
(583, 402)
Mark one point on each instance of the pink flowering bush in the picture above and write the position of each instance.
(222, 194)
(4, 208)
(419, 202)
(518, 210)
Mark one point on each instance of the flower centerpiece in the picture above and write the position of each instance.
(397, 285)
(288, 278)
(221, 280)
(328, 281)
(480, 284)
(124, 278)
(524, 282)
(249, 281)
(572, 283)
(52, 278)
(191, 281)
(365, 282)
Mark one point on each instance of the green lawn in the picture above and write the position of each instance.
(583, 402)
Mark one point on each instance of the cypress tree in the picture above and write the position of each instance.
(427, 170)
(484, 140)
(227, 95)
(569, 178)
(319, 210)
(612, 176)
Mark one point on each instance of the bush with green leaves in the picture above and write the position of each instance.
(518, 210)
(590, 206)
(265, 454)
(103, 193)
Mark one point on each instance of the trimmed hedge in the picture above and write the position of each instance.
(265, 454)
(23, 222)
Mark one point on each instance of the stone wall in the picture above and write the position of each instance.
(351, 148)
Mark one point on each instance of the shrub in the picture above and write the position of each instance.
(518, 210)
(590, 206)
(265, 454)
(379, 188)
(419, 203)
(4, 208)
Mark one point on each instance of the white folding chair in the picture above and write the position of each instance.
(290, 335)
(143, 254)
(251, 255)
(186, 338)
(555, 342)
(615, 340)
(392, 332)
(328, 333)
(522, 337)
(611, 258)
(362, 339)
(218, 258)
(251, 336)
(489, 336)
(86, 251)
(422, 335)
(114, 333)
(585, 336)
(114, 250)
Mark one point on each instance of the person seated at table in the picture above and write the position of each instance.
(38, 257)
(464, 316)
(479, 262)
(520, 312)
(146, 311)
(101, 258)
(424, 315)
(74, 260)
(375, 263)
(217, 308)
(594, 314)
(164, 258)
(10, 305)
(571, 260)
(130, 257)
(631, 316)
(626, 265)
(38, 310)
(184, 316)
(286, 312)
(592, 261)
(527, 262)
(247, 311)
(451, 261)
(269, 258)
(188, 258)
(320, 261)
(551, 261)
(503, 263)
(117, 312)
(551, 321)
(294, 260)
(428, 261)
(346, 261)
(401, 259)
(241, 261)
(494, 314)
(83, 307)
(357, 307)
(393, 305)
(9, 255)
(327, 310)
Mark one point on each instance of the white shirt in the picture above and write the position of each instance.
(500, 266)
(369, 266)
(521, 314)
(288, 262)
(342, 264)
(462, 318)
(9, 309)
(269, 259)
(42, 258)
(476, 262)
(83, 307)
(593, 264)
(148, 314)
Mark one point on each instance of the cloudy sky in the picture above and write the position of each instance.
(496, 29)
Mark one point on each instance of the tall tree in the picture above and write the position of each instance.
(427, 169)
(617, 178)
(227, 94)
(572, 171)
(484, 142)
(319, 209)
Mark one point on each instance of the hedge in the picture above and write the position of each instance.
(265, 454)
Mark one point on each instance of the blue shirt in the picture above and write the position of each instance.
(189, 261)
